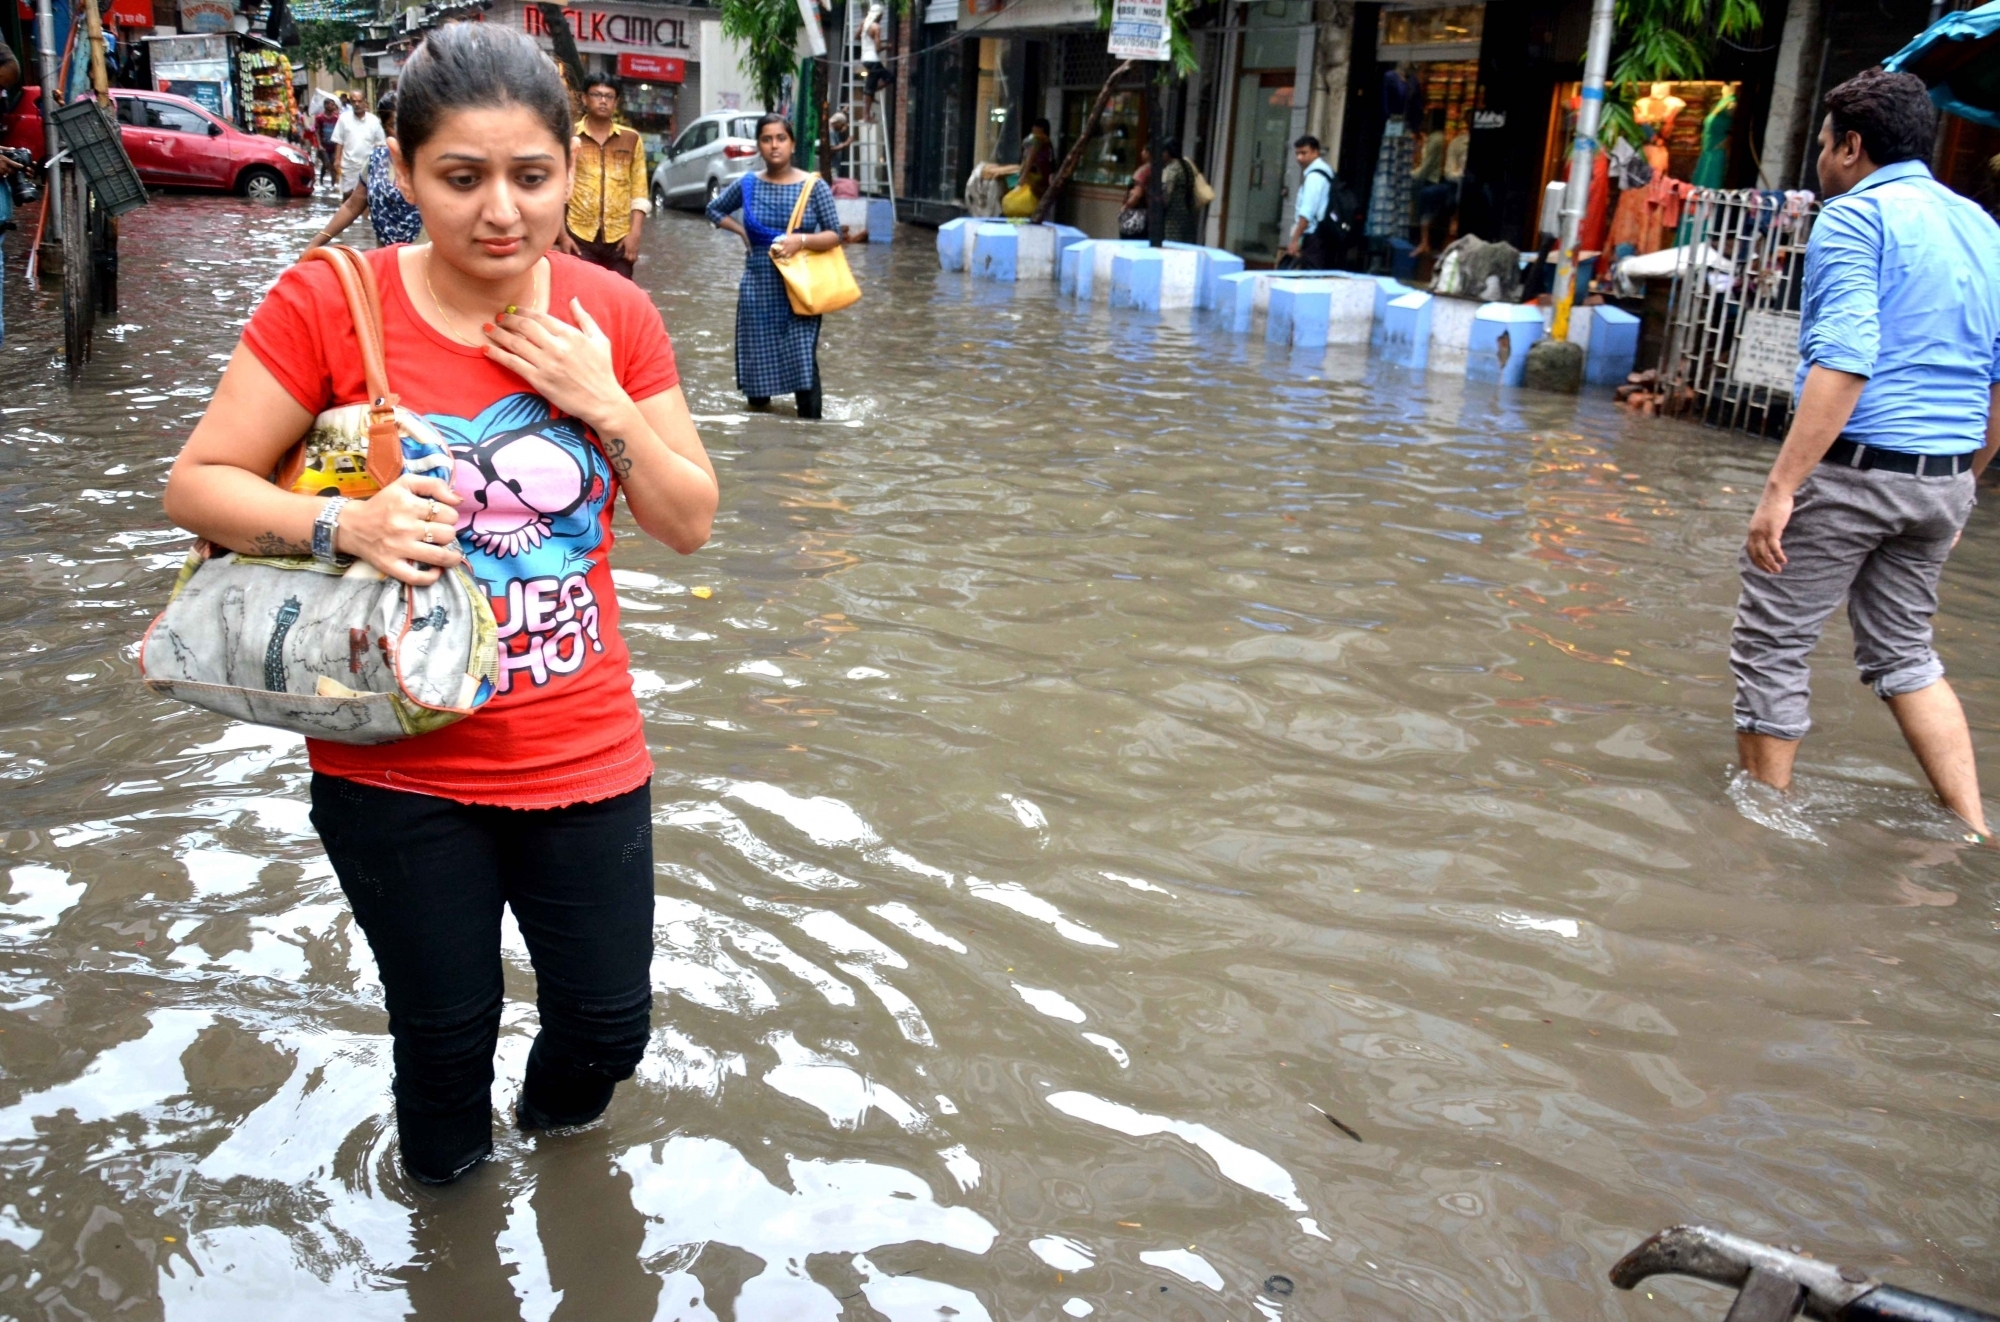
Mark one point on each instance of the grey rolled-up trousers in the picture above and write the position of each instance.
(1877, 540)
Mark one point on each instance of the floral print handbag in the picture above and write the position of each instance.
(339, 652)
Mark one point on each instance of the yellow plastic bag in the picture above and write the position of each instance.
(815, 282)
(1019, 204)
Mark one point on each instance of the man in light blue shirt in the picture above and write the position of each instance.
(1310, 228)
(1897, 413)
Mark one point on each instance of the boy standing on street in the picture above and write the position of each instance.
(1898, 412)
(610, 199)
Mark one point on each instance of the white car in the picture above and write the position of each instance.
(708, 154)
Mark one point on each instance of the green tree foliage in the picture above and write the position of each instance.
(1662, 40)
(768, 31)
(320, 43)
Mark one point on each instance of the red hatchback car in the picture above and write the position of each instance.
(176, 144)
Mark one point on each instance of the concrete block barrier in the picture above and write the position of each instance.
(1153, 279)
(1502, 334)
(852, 212)
(951, 242)
(1102, 252)
(1451, 334)
(1235, 299)
(1298, 313)
(881, 220)
(1386, 288)
(1613, 349)
(1406, 331)
(1215, 263)
(996, 251)
(1350, 311)
(1074, 269)
(1040, 250)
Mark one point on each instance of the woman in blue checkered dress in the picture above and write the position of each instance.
(777, 351)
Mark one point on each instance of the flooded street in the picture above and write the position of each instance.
(1092, 758)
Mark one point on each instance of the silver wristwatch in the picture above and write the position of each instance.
(323, 528)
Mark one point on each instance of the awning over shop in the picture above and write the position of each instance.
(1959, 57)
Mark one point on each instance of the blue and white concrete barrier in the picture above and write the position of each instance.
(1610, 339)
(951, 242)
(996, 251)
(1040, 249)
(1153, 279)
(881, 220)
(1298, 313)
(1406, 331)
(1386, 288)
(1215, 264)
(1502, 333)
(1350, 311)
(1451, 334)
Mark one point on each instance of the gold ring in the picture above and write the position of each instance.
(432, 512)
(427, 536)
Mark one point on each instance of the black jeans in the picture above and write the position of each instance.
(427, 878)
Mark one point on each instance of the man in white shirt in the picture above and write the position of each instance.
(875, 72)
(354, 141)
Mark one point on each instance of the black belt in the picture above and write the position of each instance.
(1853, 454)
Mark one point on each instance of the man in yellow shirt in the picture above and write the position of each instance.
(609, 200)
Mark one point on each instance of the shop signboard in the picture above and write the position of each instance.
(1767, 350)
(997, 16)
(614, 29)
(207, 15)
(207, 95)
(651, 68)
(1139, 30)
(131, 14)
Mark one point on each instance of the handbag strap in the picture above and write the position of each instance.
(799, 207)
(364, 305)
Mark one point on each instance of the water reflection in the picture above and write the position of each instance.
(1096, 760)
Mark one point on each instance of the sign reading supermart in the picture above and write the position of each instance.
(611, 29)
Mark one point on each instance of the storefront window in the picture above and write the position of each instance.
(650, 108)
(1113, 155)
(1430, 33)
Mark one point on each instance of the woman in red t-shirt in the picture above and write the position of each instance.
(541, 800)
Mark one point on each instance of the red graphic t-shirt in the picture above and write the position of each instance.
(562, 726)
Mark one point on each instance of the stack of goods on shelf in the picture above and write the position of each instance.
(266, 83)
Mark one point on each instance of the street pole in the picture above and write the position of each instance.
(45, 41)
(1576, 196)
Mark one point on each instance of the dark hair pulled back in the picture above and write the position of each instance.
(468, 66)
(763, 121)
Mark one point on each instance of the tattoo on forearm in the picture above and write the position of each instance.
(614, 450)
(269, 543)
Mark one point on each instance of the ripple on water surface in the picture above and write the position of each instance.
(1096, 759)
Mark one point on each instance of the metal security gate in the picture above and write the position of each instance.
(1732, 341)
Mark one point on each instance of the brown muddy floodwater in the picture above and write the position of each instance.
(1107, 751)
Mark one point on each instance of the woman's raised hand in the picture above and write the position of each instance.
(408, 530)
(567, 366)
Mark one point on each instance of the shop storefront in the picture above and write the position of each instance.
(1263, 111)
(653, 51)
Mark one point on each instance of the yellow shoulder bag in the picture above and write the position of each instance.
(815, 282)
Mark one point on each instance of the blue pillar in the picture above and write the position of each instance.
(995, 251)
(1406, 332)
(1502, 334)
(951, 243)
(1614, 346)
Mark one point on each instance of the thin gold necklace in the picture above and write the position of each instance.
(451, 329)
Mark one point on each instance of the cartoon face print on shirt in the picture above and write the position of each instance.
(535, 490)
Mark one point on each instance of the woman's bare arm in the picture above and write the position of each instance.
(220, 487)
(350, 211)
